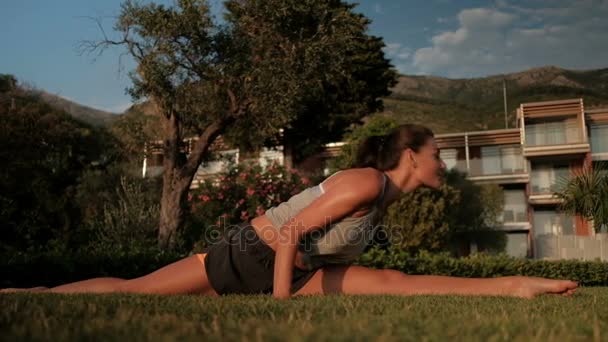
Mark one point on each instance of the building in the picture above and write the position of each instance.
(553, 139)
(223, 155)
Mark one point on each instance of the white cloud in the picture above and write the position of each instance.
(397, 52)
(510, 38)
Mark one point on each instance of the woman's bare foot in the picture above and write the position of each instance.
(31, 289)
(529, 287)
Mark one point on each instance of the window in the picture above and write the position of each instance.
(515, 208)
(546, 178)
(553, 132)
(490, 160)
(552, 222)
(598, 135)
(496, 160)
(517, 244)
(512, 159)
(454, 158)
(221, 161)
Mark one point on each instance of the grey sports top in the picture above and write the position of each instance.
(339, 242)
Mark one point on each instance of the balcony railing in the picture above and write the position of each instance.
(554, 133)
(548, 179)
(497, 160)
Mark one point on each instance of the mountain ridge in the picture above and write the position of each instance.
(445, 105)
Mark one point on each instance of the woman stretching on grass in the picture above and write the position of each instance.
(304, 246)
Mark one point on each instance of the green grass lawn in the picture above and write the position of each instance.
(583, 317)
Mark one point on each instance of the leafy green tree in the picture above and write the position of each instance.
(271, 64)
(43, 152)
(450, 218)
(586, 194)
(134, 130)
(376, 125)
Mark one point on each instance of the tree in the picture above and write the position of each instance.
(586, 194)
(376, 125)
(271, 63)
(459, 213)
(43, 153)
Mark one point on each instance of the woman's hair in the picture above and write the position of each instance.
(383, 151)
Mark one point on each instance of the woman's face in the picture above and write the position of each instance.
(429, 168)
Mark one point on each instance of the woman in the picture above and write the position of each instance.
(304, 246)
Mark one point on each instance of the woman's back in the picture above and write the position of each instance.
(339, 242)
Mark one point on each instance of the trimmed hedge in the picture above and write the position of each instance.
(21, 270)
(586, 273)
(52, 269)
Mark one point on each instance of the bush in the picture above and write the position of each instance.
(50, 269)
(587, 273)
(127, 220)
(28, 269)
(240, 194)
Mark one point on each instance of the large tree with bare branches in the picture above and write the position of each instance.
(269, 64)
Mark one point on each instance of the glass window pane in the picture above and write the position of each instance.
(598, 135)
(546, 178)
(551, 222)
(449, 157)
(515, 208)
(490, 160)
(517, 245)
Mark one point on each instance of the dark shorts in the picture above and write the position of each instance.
(242, 263)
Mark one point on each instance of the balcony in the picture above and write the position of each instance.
(552, 138)
(545, 180)
(486, 156)
(553, 128)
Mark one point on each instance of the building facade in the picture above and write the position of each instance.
(553, 140)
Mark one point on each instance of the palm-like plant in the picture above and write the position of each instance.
(586, 194)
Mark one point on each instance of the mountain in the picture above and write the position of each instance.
(89, 115)
(445, 105)
(456, 105)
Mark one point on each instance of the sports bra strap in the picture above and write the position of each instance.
(381, 197)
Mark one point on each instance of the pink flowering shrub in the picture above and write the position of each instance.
(238, 195)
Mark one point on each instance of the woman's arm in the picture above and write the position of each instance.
(351, 191)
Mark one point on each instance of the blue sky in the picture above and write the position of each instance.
(456, 39)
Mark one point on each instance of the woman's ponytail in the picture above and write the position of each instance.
(370, 151)
(382, 152)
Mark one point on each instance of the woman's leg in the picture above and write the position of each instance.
(363, 280)
(186, 276)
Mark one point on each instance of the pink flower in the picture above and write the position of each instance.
(220, 195)
(189, 197)
(250, 192)
(243, 175)
(305, 181)
(244, 215)
(204, 198)
(240, 202)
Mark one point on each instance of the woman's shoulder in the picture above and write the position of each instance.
(367, 182)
